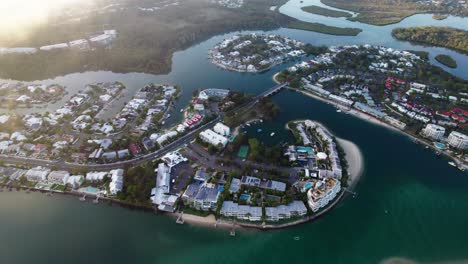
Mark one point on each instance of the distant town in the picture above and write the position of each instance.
(255, 53)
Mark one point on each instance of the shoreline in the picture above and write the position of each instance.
(375, 121)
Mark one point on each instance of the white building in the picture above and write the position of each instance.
(210, 137)
(75, 181)
(294, 209)
(205, 94)
(458, 140)
(433, 131)
(116, 184)
(322, 193)
(106, 38)
(54, 47)
(242, 212)
(96, 176)
(222, 129)
(37, 174)
(81, 44)
(58, 177)
(160, 194)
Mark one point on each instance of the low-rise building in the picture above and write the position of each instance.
(116, 184)
(222, 129)
(58, 177)
(201, 196)
(213, 138)
(241, 212)
(37, 174)
(294, 209)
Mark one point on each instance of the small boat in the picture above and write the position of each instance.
(451, 163)
(461, 168)
(248, 124)
(259, 130)
(438, 153)
(181, 110)
(168, 115)
(338, 110)
(272, 134)
(297, 238)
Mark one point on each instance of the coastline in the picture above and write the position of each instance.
(375, 121)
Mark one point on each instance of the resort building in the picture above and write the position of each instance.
(266, 184)
(116, 185)
(75, 181)
(37, 174)
(160, 195)
(458, 140)
(201, 196)
(322, 193)
(213, 138)
(207, 93)
(58, 177)
(241, 212)
(222, 129)
(294, 209)
(96, 176)
(433, 131)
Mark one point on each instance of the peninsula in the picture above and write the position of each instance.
(390, 88)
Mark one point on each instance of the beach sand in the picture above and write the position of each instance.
(355, 161)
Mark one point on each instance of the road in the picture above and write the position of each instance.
(185, 139)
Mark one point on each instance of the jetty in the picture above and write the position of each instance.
(180, 219)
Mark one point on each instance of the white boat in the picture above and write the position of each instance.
(272, 134)
(451, 163)
(338, 110)
(181, 110)
(259, 130)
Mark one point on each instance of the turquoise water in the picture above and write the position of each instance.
(440, 145)
(90, 190)
(307, 185)
(244, 197)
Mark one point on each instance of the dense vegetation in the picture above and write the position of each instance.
(446, 37)
(446, 60)
(321, 28)
(138, 182)
(382, 12)
(325, 11)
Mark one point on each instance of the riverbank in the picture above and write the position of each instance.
(376, 121)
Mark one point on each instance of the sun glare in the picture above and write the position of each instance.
(19, 16)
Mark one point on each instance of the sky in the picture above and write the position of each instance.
(19, 16)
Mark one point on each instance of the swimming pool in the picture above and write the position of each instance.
(439, 145)
(307, 185)
(244, 197)
(90, 190)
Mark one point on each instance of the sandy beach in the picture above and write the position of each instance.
(355, 161)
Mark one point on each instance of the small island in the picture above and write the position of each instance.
(446, 60)
(447, 37)
(317, 10)
(255, 53)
